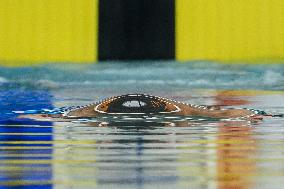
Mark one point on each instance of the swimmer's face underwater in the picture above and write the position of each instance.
(141, 104)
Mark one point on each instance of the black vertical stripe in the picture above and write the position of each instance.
(136, 29)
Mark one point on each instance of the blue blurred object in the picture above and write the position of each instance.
(20, 139)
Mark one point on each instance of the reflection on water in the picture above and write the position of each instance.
(236, 161)
(152, 154)
(25, 154)
(139, 154)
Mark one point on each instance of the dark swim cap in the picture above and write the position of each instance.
(136, 103)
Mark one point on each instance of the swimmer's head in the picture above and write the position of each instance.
(135, 104)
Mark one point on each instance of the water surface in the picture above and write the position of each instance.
(167, 152)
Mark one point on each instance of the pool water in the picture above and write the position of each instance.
(139, 152)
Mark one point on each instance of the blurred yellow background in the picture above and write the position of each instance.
(67, 30)
(48, 31)
(229, 29)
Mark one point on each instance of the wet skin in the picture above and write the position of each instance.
(140, 104)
